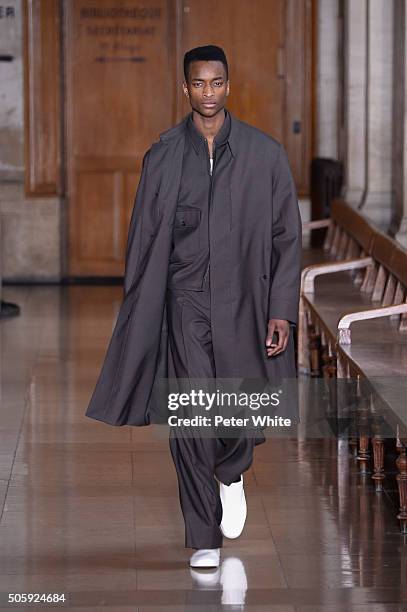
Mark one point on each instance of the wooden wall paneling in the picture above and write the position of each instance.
(120, 95)
(42, 97)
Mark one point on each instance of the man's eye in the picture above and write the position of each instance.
(218, 83)
(197, 84)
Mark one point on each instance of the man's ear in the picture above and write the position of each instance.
(185, 89)
(227, 88)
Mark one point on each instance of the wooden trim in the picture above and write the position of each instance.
(300, 17)
(178, 17)
(42, 97)
(313, 78)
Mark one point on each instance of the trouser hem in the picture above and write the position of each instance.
(210, 539)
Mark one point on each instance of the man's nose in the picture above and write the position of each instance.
(208, 92)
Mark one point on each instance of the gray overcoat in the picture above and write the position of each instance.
(255, 255)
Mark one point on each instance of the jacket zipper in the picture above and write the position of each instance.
(210, 199)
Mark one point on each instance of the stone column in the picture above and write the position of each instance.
(398, 227)
(327, 79)
(1, 261)
(353, 138)
(377, 197)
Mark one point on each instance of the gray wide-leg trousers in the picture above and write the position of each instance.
(199, 459)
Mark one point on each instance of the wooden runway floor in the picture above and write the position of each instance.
(92, 510)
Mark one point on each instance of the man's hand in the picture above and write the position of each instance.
(282, 327)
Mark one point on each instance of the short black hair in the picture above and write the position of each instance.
(205, 53)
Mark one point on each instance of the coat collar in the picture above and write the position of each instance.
(178, 131)
(197, 138)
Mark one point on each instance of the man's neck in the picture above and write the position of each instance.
(209, 126)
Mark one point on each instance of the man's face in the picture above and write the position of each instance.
(207, 87)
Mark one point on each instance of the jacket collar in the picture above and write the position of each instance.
(198, 139)
(178, 131)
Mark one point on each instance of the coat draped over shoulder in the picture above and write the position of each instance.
(255, 254)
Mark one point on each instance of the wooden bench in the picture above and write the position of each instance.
(349, 239)
(361, 281)
(348, 235)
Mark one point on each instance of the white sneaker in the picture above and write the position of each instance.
(207, 579)
(205, 557)
(234, 508)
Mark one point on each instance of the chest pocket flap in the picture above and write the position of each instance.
(187, 218)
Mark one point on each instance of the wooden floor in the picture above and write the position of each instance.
(92, 511)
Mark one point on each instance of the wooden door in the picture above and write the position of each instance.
(252, 35)
(268, 44)
(123, 86)
(120, 95)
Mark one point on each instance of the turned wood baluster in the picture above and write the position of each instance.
(378, 446)
(314, 350)
(331, 367)
(401, 478)
(378, 462)
(364, 454)
(363, 434)
(330, 361)
(324, 361)
(342, 371)
(324, 355)
(353, 439)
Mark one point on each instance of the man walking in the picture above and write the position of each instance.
(211, 289)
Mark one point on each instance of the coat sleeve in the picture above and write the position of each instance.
(286, 244)
(135, 232)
